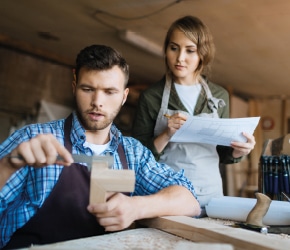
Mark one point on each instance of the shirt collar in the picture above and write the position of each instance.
(78, 135)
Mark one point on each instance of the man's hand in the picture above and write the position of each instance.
(120, 211)
(243, 148)
(40, 151)
(116, 214)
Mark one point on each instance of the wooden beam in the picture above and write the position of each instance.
(32, 50)
(199, 230)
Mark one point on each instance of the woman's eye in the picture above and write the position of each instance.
(173, 48)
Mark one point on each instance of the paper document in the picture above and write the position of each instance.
(215, 130)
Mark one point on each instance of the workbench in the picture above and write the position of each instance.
(177, 232)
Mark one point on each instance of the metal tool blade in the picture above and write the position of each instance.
(88, 160)
(263, 230)
(283, 229)
(82, 158)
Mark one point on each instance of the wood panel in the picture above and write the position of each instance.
(25, 80)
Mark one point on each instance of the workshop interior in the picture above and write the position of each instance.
(40, 39)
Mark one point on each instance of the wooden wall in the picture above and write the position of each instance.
(26, 79)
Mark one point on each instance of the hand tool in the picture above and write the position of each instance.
(286, 196)
(270, 176)
(82, 158)
(102, 179)
(89, 160)
(255, 217)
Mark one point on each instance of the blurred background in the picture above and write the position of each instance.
(40, 39)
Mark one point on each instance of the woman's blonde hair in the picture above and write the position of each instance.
(195, 30)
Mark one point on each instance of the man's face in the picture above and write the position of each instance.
(99, 96)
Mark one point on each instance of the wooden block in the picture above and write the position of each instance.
(198, 230)
(105, 180)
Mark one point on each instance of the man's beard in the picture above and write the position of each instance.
(96, 125)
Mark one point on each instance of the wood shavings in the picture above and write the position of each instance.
(135, 239)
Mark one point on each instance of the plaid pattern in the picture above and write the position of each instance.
(28, 188)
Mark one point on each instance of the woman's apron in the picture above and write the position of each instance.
(199, 161)
(64, 215)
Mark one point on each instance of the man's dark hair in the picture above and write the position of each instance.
(101, 57)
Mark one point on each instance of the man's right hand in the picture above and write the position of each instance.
(40, 151)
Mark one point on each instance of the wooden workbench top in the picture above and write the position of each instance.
(138, 239)
(178, 232)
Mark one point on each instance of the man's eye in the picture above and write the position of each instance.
(87, 90)
(110, 92)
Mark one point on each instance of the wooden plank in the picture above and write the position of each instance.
(198, 230)
(30, 49)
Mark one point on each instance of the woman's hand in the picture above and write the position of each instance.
(174, 123)
(243, 148)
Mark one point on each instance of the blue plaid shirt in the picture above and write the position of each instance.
(27, 189)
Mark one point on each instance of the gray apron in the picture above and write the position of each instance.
(199, 161)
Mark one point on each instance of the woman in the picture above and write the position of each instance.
(164, 107)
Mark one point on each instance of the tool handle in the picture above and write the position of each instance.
(256, 215)
(286, 183)
(275, 184)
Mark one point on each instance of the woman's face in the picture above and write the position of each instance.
(182, 58)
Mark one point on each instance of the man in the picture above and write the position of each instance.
(45, 200)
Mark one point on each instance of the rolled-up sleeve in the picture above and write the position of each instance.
(152, 176)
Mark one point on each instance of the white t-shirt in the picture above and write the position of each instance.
(188, 95)
(98, 149)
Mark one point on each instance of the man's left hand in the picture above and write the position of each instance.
(243, 148)
(116, 214)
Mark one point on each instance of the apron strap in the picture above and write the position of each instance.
(212, 102)
(122, 156)
(67, 130)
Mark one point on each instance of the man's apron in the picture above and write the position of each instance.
(64, 215)
(199, 161)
